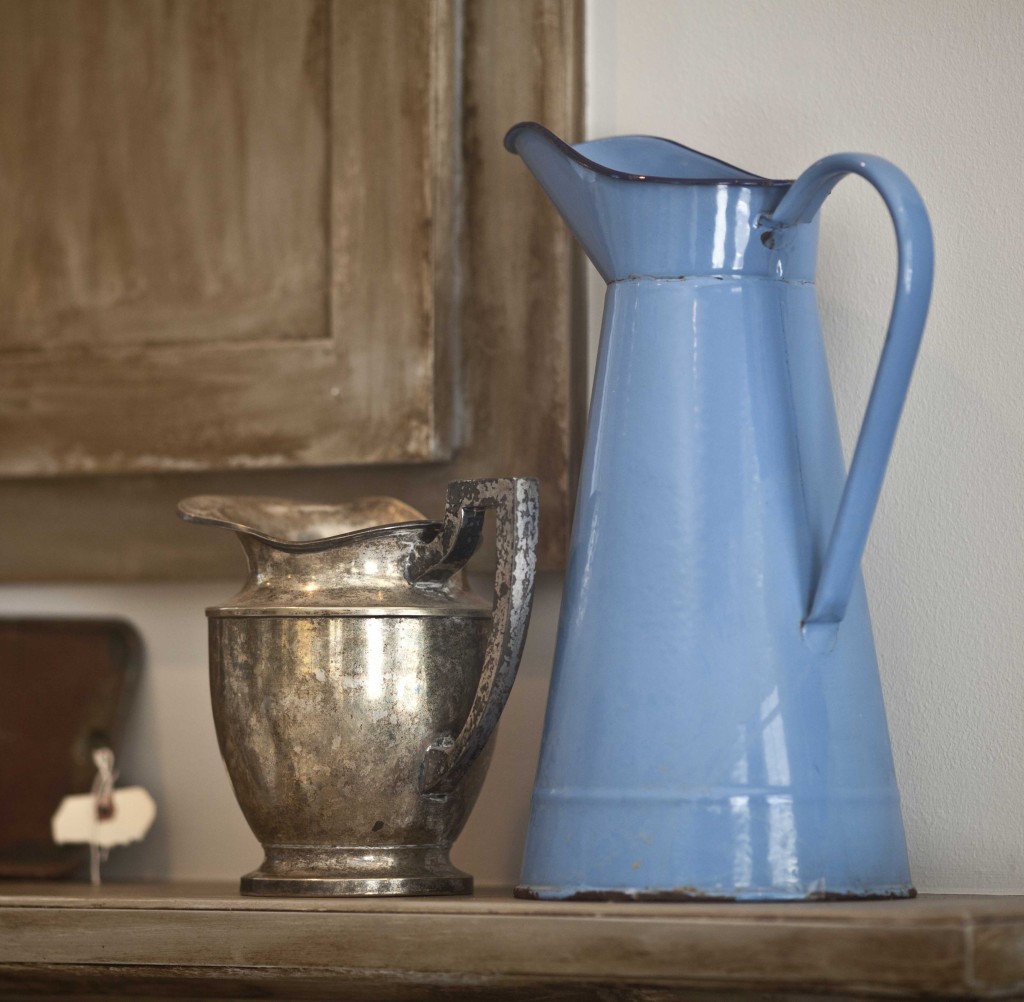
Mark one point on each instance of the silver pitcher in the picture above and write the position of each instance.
(357, 681)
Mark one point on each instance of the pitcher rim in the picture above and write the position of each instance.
(750, 181)
(187, 512)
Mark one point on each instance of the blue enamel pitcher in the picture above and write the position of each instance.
(715, 726)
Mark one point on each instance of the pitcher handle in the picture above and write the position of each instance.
(515, 500)
(906, 325)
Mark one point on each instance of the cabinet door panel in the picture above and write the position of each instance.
(226, 236)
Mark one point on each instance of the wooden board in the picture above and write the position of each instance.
(206, 940)
(507, 354)
(66, 686)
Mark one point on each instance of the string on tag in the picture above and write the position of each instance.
(103, 794)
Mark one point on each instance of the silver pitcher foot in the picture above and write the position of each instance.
(356, 871)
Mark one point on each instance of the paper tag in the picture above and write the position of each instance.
(132, 813)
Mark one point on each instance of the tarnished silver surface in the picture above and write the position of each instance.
(357, 682)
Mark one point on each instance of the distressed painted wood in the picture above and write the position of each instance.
(493, 375)
(524, 348)
(227, 225)
(205, 939)
(165, 169)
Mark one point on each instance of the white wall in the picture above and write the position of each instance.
(935, 86)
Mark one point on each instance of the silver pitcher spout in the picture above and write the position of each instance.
(357, 681)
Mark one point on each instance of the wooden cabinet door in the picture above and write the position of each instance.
(276, 247)
(227, 234)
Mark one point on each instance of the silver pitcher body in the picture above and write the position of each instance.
(357, 682)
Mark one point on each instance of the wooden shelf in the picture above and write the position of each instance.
(205, 940)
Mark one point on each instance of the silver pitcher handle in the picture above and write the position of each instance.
(515, 500)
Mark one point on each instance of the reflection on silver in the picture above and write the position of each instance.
(373, 649)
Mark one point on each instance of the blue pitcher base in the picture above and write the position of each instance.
(697, 896)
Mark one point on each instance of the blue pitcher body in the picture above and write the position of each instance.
(715, 725)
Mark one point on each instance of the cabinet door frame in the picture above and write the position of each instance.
(512, 338)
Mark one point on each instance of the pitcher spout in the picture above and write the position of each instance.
(639, 205)
(633, 158)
